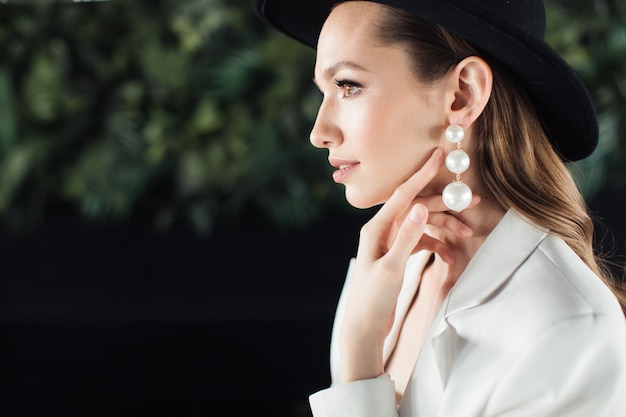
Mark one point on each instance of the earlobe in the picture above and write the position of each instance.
(472, 81)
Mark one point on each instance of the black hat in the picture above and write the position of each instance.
(511, 31)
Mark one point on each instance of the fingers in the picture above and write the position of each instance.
(397, 207)
(439, 216)
(399, 224)
(451, 223)
(431, 244)
(409, 234)
(444, 220)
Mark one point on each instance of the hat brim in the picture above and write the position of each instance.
(561, 98)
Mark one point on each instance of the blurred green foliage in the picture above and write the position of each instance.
(591, 35)
(193, 111)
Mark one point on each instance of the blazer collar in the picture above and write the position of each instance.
(503, 251)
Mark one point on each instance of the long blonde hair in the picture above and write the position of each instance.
(517, 161)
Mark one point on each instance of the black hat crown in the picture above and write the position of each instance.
(528, 16)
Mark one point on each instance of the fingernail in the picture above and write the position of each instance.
(417, 213)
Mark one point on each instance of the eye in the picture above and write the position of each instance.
(348, 88)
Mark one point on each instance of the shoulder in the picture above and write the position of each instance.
(553, 290)
(528, 278)
(552, 317)
(557, 277)
(549, 287)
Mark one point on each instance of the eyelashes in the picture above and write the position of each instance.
(348, 88)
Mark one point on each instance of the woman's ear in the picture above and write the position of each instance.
(470, 85)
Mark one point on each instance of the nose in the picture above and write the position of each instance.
(325, 132)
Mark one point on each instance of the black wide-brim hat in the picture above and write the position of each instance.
(510, 31)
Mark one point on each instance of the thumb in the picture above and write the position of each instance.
(409, 233)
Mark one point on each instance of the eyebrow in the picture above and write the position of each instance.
(333, 69)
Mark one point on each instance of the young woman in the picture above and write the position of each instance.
(475, 290)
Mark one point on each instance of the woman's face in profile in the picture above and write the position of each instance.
(378, 122)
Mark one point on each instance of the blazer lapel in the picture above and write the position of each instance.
(502, 252)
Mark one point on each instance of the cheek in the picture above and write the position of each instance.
(400, 153)
(390, 138)
(359, 116)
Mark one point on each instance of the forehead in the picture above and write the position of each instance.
(349, 35)
(352, 22)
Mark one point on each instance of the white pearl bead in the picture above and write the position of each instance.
(457, 196)
(457, 161)
(454, 133)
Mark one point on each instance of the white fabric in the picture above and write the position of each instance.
(527, 331)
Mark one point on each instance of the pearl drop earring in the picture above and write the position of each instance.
(457, 196)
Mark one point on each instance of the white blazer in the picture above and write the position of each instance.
(527, 331)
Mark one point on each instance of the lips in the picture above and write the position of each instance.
(344, 168)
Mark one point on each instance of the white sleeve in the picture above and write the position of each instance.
(374, 397)
(337, 323)
(577, 369)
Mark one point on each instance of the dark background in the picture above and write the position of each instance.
(168, 324)
(170, 244)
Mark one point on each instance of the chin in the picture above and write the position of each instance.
(362, 200)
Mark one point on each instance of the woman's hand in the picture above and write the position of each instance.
(386, 242)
